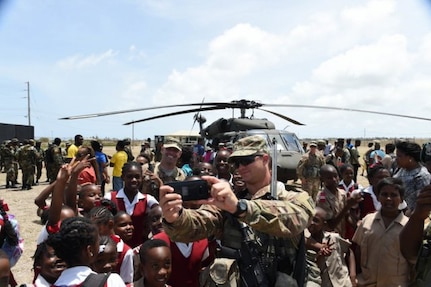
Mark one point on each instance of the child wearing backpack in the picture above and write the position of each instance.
(77, 243)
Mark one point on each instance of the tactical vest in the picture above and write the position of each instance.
(275, 254)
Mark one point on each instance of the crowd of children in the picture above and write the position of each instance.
(117, 239)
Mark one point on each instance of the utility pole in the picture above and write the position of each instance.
(28, 103)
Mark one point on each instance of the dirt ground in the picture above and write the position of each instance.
(21, 204)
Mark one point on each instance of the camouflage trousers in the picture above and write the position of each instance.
(312, 186)
(39, 166)
(11, 172)
(52, 171)
(27, 175)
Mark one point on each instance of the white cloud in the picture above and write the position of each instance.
(136, 54)
(79, 61)
(376, 64)
(232, 56)
(374, 11)
(425, 48)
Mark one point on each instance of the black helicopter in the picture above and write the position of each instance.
(289, 148)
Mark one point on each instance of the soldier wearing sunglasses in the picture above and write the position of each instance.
(276, 225)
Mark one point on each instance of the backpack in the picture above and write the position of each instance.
(94, 280)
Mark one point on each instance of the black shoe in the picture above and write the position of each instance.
(29, 187)
(7, 185)
(13, 185)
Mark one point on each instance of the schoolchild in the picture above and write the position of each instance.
(156, 264)
(77, 243)
(153, 227)
(334, 200)
(123, 226)
(89, 196)
(350, 187)
(377, 237)
(106, 260)
(132, 201)
(47, 265)
(104, 220)
(334, 259)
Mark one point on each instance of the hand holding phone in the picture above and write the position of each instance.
(191, 190)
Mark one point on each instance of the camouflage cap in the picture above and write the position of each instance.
(313, 143)
(249, 146)
(14, 140)
(172, 142)
(32, 141)
(321, 142)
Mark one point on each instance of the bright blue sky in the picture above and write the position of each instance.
(85, 57)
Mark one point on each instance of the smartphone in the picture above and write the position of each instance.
(191, 190)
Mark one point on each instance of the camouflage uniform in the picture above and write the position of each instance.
(2, 147)
(128, 150)
(309, 169)
(276, 225)
(54, 161)
(27, 158)
(39, 161)
(9, 161)
(15, 147)
(177, 175)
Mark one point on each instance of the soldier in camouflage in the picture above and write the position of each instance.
(15, 147)
(308, 170)
(2, 147)
(128, 150)
(9, 157)
(277, 225)
(54, 159)
(167, 169)
(40, 159)
(27, 158)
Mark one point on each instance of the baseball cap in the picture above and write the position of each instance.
(313, 143)
(249, 146)
(172, 142)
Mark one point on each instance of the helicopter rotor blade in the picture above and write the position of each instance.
(348, 110)
(221, 105)
(283, 117)
(174, 114)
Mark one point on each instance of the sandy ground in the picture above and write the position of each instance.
(21, 204)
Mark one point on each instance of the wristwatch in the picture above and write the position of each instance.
(241, 207)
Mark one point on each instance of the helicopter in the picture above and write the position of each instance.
(288, 146)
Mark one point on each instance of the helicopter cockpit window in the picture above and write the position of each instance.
(292, 142)
(281, 145)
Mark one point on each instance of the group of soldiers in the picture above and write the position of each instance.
(320, 153)
(27, 156)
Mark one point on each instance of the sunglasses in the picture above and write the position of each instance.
(244, 160)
